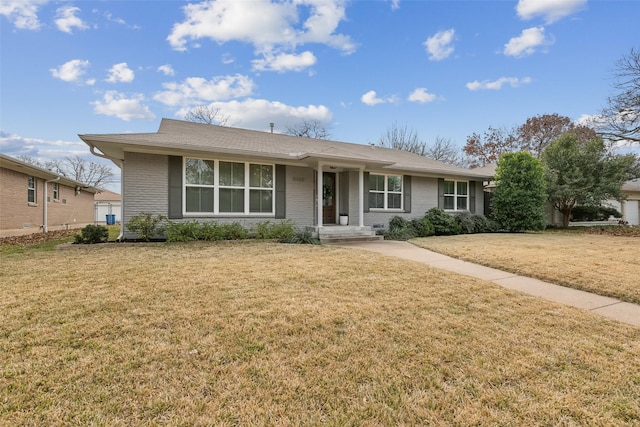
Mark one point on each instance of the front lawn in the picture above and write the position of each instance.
(603, 264)
(255, 333)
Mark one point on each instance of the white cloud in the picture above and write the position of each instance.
(550, 10)
(273, 28)
(527, 42)
(285, 62)
(66, 19)
(258, 113)
(422, 96)
(167, 70)
(197, 90)
(370, 98)
(440, 45)
(497, 84)
(41, 149)
(395, 4)
(71, 71)
(116, 104)
(22, 13)
(120, 73)
(109, 16)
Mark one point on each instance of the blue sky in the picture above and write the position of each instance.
(443, 68)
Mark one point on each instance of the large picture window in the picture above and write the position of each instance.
(385, 191)
(31, 189)
(222, 187)
(456, 195)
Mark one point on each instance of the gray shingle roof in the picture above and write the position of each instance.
(188, 137)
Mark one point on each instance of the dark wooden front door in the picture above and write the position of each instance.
(328, 198)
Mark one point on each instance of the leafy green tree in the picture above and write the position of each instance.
(518, 201)
(584, 173)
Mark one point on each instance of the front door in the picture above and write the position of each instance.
(328, 198)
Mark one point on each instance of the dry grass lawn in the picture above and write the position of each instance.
(254, 333)
(602, 264)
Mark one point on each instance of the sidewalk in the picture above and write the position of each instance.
(609, 307)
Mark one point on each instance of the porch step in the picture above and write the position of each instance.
(346, 239)
(344, 233)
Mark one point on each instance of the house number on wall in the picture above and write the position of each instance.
(298, 178)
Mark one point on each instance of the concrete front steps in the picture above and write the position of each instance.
(329, 234)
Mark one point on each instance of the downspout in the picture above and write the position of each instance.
(45, 213)
(92, 148)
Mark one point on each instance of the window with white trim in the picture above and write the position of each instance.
(385, 191)
(223, 187)
(456, 195)
(56, 191)
(31, 189)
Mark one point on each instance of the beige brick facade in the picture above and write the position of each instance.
(18, 216)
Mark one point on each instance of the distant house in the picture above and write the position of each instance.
(630, 207)
(33, 200)
(107, 203)
(191, 171)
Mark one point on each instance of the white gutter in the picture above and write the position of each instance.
(45, 213)
(92, 148)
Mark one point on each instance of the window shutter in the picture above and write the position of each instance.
(441, 193)
(365, 176)
(175, 187)
(472, 196)
(407, 192)
(281, 193)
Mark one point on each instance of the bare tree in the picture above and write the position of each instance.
(534, 136)
(208, 115)
(620, 120)
(488, 147)
(445, 151)
(540, 131)
(402, 138)
(406, 139)
(309, 129)
(76, 168)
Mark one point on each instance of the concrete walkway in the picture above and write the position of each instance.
(609, 307)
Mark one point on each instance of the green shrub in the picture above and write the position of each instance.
(92, 234)
(182, 231)
(146, 225)
(232, 231)
(400, 229)
(594, 213)
(269, 230)
(466, 222)
(443, 223)
(422, 227)
(518, 202)
(482, 224)
(303, 237)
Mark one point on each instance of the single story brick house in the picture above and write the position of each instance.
(193, 171)
(33, 200)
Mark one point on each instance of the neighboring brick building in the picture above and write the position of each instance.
(69, 204)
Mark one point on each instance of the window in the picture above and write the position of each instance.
(260, 188)
(31, 189)
(231, 187)
(456, 195)
(56, 191)
(215, 186)
(385, 191)
(199, 183)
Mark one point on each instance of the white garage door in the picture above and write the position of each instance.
(632, 212)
